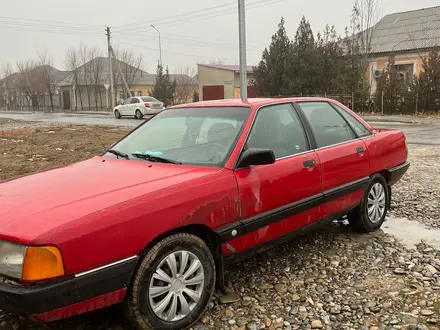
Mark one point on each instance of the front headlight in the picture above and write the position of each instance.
(30, 263)
(11, 259)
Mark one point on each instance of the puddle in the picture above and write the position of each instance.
(410, 233)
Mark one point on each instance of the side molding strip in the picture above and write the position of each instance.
(242, 227)
(105, 266)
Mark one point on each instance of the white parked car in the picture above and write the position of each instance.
(138, 107)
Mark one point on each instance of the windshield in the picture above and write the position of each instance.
(197, 136)
(149, 99)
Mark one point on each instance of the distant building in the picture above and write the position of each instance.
(18, 91)
(407, 35)
(218, 81)
(86, 87)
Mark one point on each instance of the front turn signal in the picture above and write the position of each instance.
(42, 263)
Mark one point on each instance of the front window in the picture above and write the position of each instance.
(196, 136)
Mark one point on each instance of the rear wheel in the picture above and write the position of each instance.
(371, 213)
(138, 114)
(117, 114)
(173, 284)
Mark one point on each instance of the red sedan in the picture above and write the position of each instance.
(153, 222)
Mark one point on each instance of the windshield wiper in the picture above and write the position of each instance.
(118, 153)
(155, 158)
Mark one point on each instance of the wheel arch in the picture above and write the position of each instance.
(209, 236)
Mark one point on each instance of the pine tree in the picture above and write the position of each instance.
(270, 76)
(330, 62)
(427, 85)
(393, 88)
(304, 70)
(164, 89)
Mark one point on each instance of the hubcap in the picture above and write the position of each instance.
(176, 286)
(376, 203)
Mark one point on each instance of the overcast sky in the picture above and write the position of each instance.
(204, 35)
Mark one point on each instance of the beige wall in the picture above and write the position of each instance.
(237, 79)
(380, 62)
(211, 76)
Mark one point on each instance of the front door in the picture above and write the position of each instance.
(279, 198)
(342, 154)
(125, 108)
(66, 100)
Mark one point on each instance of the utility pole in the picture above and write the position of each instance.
(112, 99)
(121, 74)
(242, 43)
(160, 45)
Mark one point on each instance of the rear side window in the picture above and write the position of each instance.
(134, 100)
(359, 128)
(149, 99)
(327, 124)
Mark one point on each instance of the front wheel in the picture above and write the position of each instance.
(138, 114)
(117, 114)
(371, 213)
(173, 284)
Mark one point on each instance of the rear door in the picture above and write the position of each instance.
(342, 154)
(279, 198)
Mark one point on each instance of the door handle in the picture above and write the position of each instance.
(360, 150)
(309, 163)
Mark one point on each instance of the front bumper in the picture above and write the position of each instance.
(54, 295)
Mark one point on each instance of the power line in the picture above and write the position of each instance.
(176, 53)
(50, 22)
(131, 25)
(54, 31)
(46, 26)
(186, 42)
(221, 13)
(172, 20)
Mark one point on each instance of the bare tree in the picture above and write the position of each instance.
(46, 71)
(96, 69)
(30, 82)
(217, 62)
(86, 72)
(367, 13)
(130, 65)
(6, 84)
(185, 85)
(72, 63)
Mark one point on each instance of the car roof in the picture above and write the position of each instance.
(250, 102)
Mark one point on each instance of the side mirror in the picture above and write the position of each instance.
(256, 156)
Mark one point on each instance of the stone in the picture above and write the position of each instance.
(317, 324)
(426, 312)
(204, 319)
(265, 286)
(267, 321)
(400, 271)
(229, 298)
(295, 298)
(281, 288)
(431, 269)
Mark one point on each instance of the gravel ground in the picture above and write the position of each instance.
(333, 279)
(417, 195)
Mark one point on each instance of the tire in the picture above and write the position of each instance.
(117, 114)
(140, 306)
(138, 114)
(360, 218)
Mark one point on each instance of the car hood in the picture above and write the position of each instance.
(33, 204)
